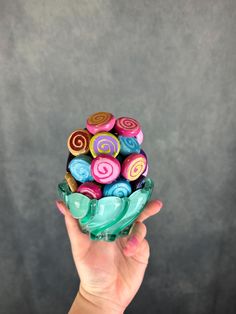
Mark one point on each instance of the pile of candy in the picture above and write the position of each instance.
(105, 158)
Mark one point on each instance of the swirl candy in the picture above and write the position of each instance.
(80, 168)
(71, 182)
(100, 121)
(139, 137)
(104, 143)
(128, 145)
(105, 168)
(120, 188)
(127, 126)
(90, 189)
(78, 142)
(133, 166)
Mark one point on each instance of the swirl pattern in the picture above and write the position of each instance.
(104, 143)
(119, 188)
(128, 145)
(90, 189)
(133, 166)
(100, 121)
(127, 126)
(105, 169)
(78, 142)
(80, 168)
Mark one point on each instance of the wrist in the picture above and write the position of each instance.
(87, 303)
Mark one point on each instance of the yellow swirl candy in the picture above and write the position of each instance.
(104, 143)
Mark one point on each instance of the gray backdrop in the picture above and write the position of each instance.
(171, 65)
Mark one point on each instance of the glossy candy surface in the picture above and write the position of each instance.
(104, 143)
(127, 126)
(105, 168)
(100, 121)
(90, 189)
(78, 142)
(133, 166)
(128, 145)
(80, 168)
(120, 188)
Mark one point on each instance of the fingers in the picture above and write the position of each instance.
(152, 208)
(136, 237)
(79, 241)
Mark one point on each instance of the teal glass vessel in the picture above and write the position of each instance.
(109, 217)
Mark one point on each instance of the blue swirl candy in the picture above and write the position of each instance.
(80, 168)
(119, 187)
(128, 145)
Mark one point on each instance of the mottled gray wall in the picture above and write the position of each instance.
(172, 65)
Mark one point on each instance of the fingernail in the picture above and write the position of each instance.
(133, 241)
(159, 203)
(60, 207)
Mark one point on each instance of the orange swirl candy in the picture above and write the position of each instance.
(100, 121)
(133, 166)
(78, 142)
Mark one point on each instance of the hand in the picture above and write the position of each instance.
(110, 272)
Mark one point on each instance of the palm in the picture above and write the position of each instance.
(105, 268)
(110, 270)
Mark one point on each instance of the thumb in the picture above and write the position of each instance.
(79, 241)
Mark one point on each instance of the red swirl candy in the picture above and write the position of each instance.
(127, 126)
(105, 168)
(90, 189)
(133, 166)
(78, 142)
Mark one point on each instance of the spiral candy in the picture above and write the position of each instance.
(127, 126)
(80, 168)
(128, 145)
(120, 188)
(90, 189)
(105, 168)
(104, 143)
(100, 121)
(133, 166)
(78, 142)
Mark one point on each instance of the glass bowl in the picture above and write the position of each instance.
(109, 217)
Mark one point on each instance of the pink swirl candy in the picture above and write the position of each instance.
(90, 189)
(105, 168)
(127, 126)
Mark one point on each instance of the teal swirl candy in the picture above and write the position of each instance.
(120, 188)
(80, 168)
(128, 145)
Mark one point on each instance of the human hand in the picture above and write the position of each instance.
(110, 272)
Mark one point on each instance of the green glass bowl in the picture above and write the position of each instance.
(109, 217)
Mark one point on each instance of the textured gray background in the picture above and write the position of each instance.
(172, 65)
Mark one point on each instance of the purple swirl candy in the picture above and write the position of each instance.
(104, 143)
